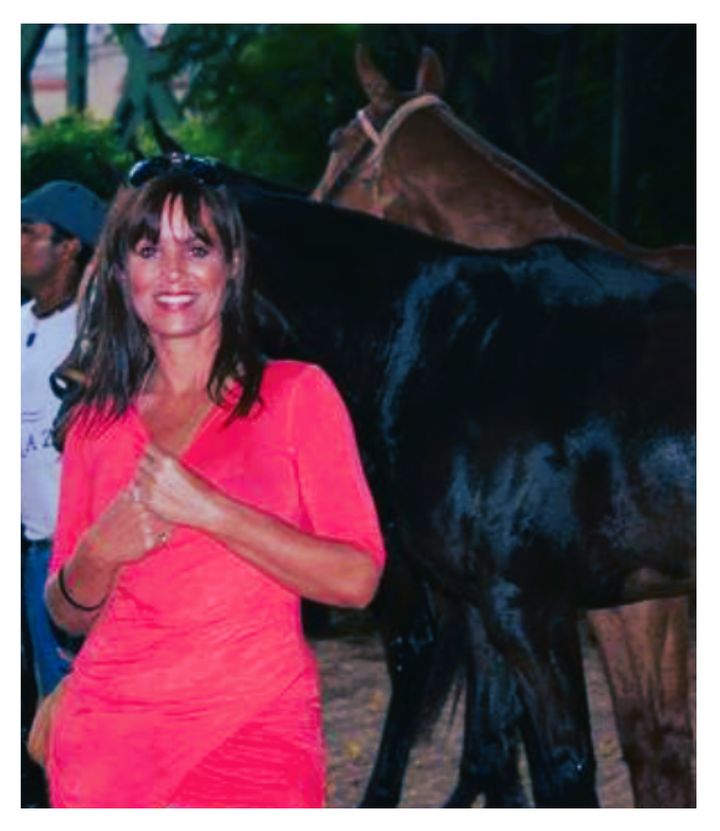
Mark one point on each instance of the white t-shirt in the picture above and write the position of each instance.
(45, 343)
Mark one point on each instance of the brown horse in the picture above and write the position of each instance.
(406, 158)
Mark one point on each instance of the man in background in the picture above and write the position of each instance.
(60, 225)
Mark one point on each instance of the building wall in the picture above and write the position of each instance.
(107, 66)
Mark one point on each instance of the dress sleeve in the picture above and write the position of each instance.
(73, 515)
(334, 492)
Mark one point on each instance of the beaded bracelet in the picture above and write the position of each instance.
(70, 599)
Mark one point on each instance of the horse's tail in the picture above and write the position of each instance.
(447, 671)
(425, 641)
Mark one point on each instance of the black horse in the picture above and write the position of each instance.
(526, 419)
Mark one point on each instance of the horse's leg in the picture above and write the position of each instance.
(644, 649)
(539, 639)
(406, 621)
(489, 762)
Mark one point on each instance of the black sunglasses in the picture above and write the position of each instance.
(205, 170)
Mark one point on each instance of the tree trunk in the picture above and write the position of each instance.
(32, 37)
(620, 184)
(77, 66)
(563, 95)
(145, 86)
(509, 90)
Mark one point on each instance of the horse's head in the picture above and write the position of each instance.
(356, 146)
(383, 98)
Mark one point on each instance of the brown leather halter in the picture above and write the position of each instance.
(373, 163)
(378, 142)
(400, 115)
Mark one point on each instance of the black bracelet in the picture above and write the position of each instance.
(70, 600)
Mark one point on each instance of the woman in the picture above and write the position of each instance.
(204, 492)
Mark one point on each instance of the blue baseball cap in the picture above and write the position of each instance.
(69, 206)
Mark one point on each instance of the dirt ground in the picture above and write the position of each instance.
(356, 691)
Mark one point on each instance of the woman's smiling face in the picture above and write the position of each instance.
(177, 283)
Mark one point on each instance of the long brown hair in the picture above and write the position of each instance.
(112, 352)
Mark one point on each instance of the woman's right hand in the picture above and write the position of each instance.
(126, 531)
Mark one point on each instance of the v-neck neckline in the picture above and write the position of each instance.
(193, 438)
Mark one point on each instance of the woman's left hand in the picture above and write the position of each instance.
(170, 490)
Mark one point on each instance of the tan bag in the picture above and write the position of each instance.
(37, 742)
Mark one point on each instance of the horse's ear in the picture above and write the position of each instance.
(376, 86)
(430, 76)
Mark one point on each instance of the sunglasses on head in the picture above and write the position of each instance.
(203, 169)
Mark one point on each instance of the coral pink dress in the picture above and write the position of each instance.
(195, 686)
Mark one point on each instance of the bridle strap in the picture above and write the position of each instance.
(380, 139)
(368, 127)
(398, 117)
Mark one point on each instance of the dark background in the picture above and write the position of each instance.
(606, 113)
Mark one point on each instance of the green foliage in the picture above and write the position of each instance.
(196, 136)
(267, 99)
(73, 147)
